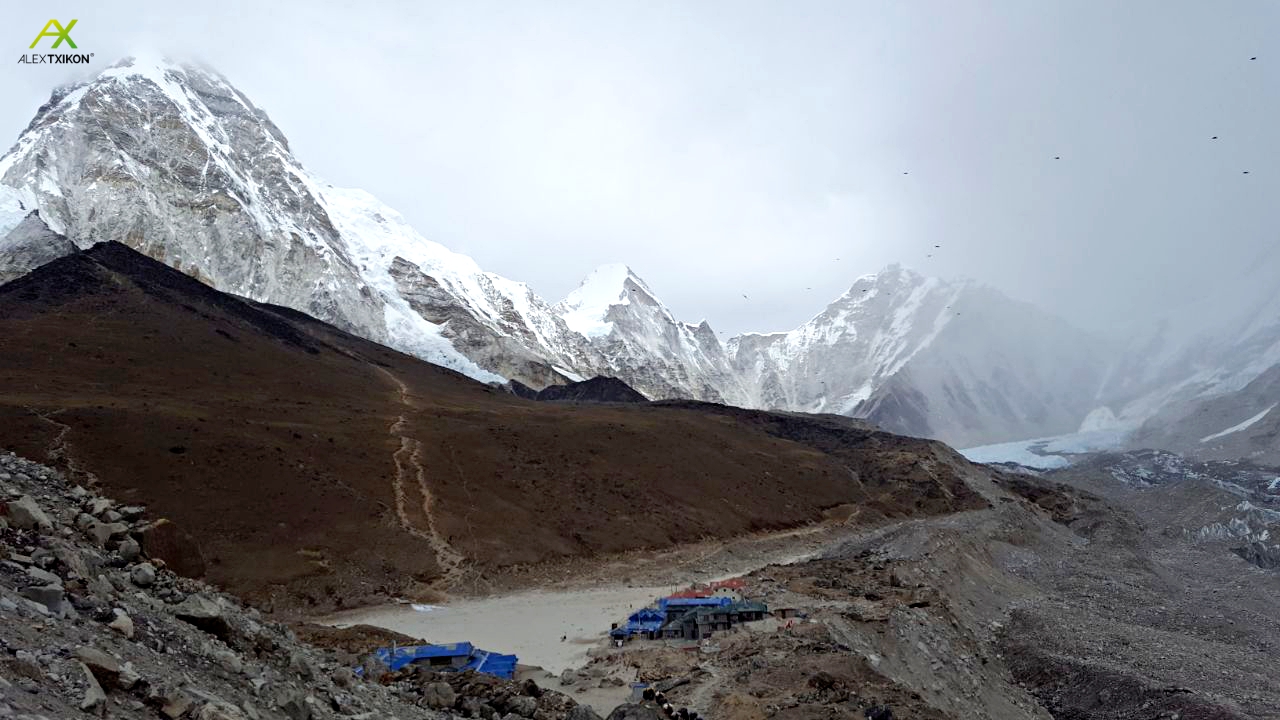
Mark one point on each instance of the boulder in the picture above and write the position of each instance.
(471, 707)
(74, 560)
(143, 575)
(230, 661)
(103, 533)
(582, 712)
(302, 666)
(522, 705)
(129, 549)
(374, 668)
(102, 588)
(343, 678)
(94, 697)
(129, 677)
(25, 514)
(44, 577)
(636, 711)
(219, 711)
(175, 704)
(439, 696)
(294, 705)
(50, 596)
(104, 667)
(205, 614)
(163, 540)
(122, 623)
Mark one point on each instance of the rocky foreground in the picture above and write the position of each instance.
(91, 626)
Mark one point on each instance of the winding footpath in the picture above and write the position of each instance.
(412, 473)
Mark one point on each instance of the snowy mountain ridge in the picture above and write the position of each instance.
(173, 161)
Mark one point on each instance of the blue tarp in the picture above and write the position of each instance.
(504, 666)
(673, 602)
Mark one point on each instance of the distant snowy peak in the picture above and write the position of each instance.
(924, 356)
(641, 341)
(833, 362)
(585, 309)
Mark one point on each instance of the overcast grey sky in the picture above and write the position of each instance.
(722, 148)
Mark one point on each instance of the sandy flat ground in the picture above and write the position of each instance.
(581, 604)
(528, 624)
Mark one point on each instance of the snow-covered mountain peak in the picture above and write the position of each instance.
(170, 159)
(585, 308)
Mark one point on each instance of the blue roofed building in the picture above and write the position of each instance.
(448, 657)
(670, 604)
(645, 622)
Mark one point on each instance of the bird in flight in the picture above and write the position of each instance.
(744, 297)
(1057, 157)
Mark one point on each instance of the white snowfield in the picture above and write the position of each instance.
(1241, 426)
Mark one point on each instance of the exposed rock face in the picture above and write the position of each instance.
(173, 161)
(597, 389)
(642, 343)
(28, 246)
(511, 344)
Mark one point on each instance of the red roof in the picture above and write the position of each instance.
(710, 588)
(732, 583)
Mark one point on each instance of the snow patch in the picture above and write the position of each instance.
(1048, 453)
(585, 308)
(1100, 418)
(15, 205)
(1237, 428)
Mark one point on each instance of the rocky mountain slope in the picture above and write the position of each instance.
(93, 624)
(1112, 590)
(173, 161)
(290, 448)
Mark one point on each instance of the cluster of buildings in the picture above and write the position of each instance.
(692, 614)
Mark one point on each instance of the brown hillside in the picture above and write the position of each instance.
(301, 457)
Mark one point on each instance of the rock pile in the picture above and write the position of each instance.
(91, 626)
